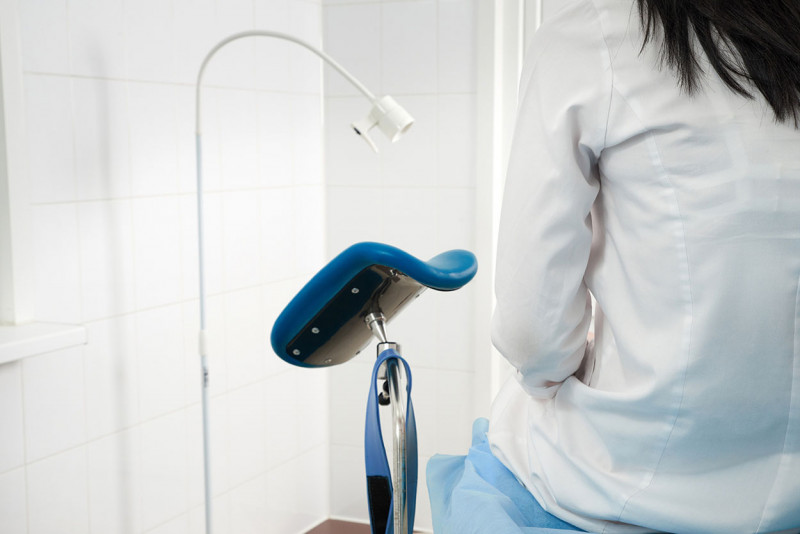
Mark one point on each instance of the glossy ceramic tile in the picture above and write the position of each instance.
(150, 40)
(164, 468)
(58, 272)
(13, 502)
(44, 31)
(96, 38)
(106, 258)
(57, 494)
(157, 251)
(12, 446)
(102, 148)
(49, 128)
(352, 36)
(161, 361)
(240, 234)
(115, 482)
(408, 47)
(54, 402)
(153, 139)
(111, 370)
(457, 46)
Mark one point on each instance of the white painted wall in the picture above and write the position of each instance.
(418, 194)
(106, 438)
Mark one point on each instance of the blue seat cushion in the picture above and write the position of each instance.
(476, 494)
(324, 324)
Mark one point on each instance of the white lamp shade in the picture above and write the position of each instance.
(388, 116)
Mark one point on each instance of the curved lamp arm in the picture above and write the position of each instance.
(386, 114)
(278, 35)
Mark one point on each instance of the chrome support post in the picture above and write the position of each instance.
(399, 483)
(390, 372)
(377, 323)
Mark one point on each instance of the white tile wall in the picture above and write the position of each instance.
(153, 139)
(247, 510)
(149, 39)
(164, 469)
(108, 437)
(54, 397)
(12, 446)
(348, 160)
(245, 325)
(179, 525)
(195, 32)
(281, 413)
(352, 36)
(112, 376)
(45, 45)
(305, 68)
(234, 66)
(457, 46)
(277, 247)
(238, 129)
(307, 135)
(275, 140)
(50, 141)
(299, 488)
(96, 38)
(106, 258)
(156, 250)
(273, 56)
(455, 140)
(408, 45)
(247, 432)
(57, 493)
(349, 500)
(309, 215)
(13, 502)
(58, 281)
(241, 255)
(115, 482)
(101, 129)
(411, 161)
(161, 360)
(345, 216)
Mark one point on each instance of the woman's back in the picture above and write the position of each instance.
(685, 415)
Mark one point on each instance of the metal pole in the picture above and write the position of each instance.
(199, 159)
(399, 483)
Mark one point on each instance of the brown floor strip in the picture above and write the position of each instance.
(333, 526)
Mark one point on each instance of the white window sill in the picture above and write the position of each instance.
(20, 341)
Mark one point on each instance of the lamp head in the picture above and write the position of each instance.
(388, 116)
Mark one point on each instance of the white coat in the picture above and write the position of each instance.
(681, 216)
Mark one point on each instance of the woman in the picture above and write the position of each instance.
(656, 166)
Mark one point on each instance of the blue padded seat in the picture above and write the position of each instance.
(324, 324)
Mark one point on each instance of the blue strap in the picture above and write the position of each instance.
(379, 479)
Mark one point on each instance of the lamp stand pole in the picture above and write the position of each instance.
(203, 341)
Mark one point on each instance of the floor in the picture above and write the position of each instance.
(333, 526)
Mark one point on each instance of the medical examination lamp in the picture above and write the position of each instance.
(386, 114)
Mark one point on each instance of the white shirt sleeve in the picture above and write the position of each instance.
(543, 311)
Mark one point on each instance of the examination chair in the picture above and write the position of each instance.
(333, 319)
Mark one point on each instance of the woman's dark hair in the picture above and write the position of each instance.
(749, 43)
